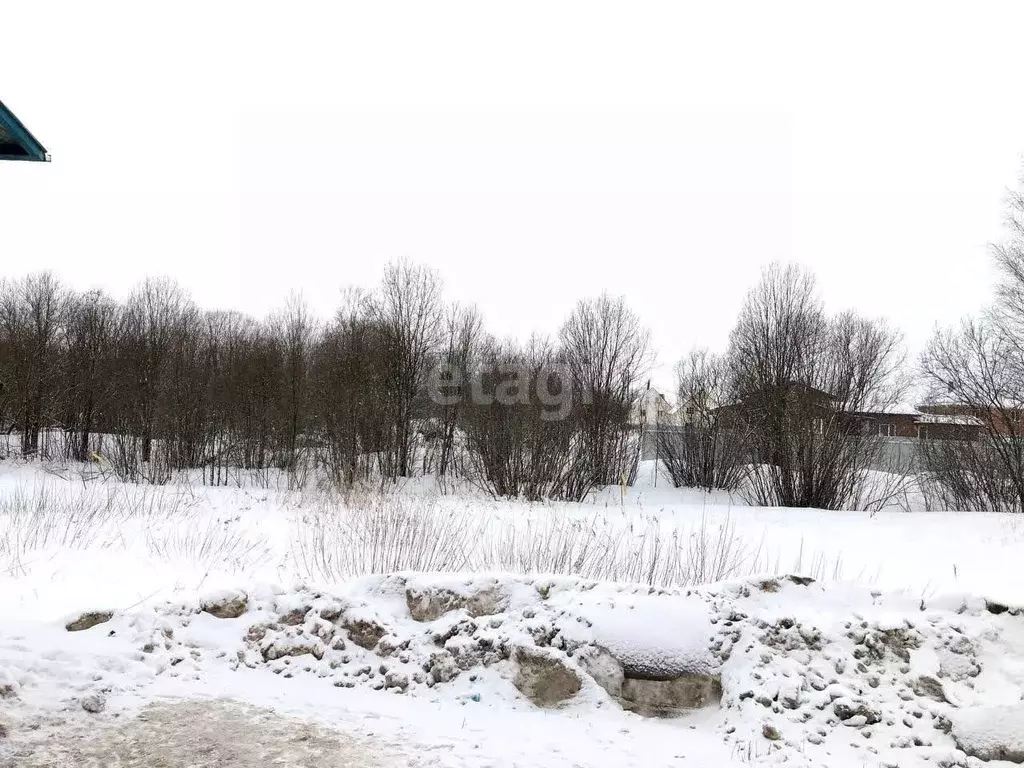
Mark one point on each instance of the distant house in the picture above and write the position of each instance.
(773, 399)
(1002, 421)
(653, 416)
(899, 420)
(653, 408)
(909, 421)
(937, 426)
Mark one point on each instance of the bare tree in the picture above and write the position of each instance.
(800, 378)
(460, 353)
(153, 320)
(295, 331)
(408, 313)
(32, 319)
(1008, 312)
(352, 407)
(606, 351)
(94, 321)
(977, 370)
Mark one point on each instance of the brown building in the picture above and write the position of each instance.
(908, 421)
(934, 426)
(798, 396)
(900, 420)
(1002, 421)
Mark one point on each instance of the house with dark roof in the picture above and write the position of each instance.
(1004, 420)
(898, 420)
(909, 421)
(774, 399)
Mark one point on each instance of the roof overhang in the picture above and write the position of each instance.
(16, 143)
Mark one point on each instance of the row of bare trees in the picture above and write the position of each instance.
(398, 383)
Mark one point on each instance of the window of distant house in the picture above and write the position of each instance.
(886, 430)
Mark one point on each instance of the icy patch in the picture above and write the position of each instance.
(198, 734)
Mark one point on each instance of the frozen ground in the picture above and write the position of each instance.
(897, 654)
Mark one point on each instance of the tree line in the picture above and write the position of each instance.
(155, 385)
(401, 382)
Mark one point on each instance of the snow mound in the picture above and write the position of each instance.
(991, 733)
(654, 638)
(817, 668)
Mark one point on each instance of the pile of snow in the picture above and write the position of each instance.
(806, 670)
(991, 733)
(651, 637)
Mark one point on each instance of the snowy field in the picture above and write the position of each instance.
(373, 629)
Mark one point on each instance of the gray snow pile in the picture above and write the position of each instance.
(991, 733)
(785, 670)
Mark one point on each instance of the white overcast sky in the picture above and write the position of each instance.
(533, 153)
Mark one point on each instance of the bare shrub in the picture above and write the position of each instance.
(205, 540)
(638, 549)
(360, 533)
(969, 475)
(516, 445)
(705, 451)
(976, 369)
(95, 515)
(890, 486)
(800, 378)
(340, 537)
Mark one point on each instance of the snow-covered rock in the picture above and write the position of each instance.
(94, 704)
(88, 620)
(652, 637)
(431, 603)
(603, 668)
(226, 604)
(991, 733)
(660, 698)
(544, 677)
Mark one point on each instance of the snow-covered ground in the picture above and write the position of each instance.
(897, 652)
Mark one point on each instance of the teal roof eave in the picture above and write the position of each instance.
(25, 145)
